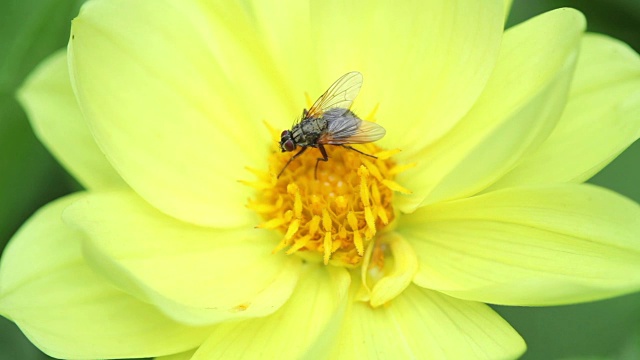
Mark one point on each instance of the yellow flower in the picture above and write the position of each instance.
(159, 109)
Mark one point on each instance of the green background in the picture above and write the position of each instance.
(29, 177)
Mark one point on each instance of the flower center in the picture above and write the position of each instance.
(334, 217)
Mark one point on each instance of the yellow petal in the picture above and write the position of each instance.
(175, 94)
(187, 355)
(304, 328)
(507, 8)
(194, 274)
(424, 324)
(69, 311)
(424, 62)
(284, 28)
(601, 119)
(57, 121)
(544, 245)
(405, 265)
(517, 110)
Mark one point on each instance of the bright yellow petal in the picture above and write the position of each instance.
(507, 8)
(196, 275)
(545, 245)
(518, 109)
(175, 93)
(284, 27)
(56, 119)
(67, 310)
(304, 328)
(187, 355)
(424, 62)
(404, 265)
(424, 324)
(602, 118)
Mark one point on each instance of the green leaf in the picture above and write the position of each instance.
(13, 345)
(600, 328)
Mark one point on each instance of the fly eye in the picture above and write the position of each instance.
(286, 132)
(289, 145)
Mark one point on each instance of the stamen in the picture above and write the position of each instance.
(335, 217)
(357, 239)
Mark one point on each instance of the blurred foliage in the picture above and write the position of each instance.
(29, 177)
(618, 18)
(30, 30)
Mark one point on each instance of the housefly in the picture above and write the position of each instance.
(331, 122)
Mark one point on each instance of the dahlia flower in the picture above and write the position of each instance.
(187, 245)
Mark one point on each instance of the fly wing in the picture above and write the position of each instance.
(349, 129)
(339, 95)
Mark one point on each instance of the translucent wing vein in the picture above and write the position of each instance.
(339, 95)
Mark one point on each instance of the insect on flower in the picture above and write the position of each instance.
(331, 122)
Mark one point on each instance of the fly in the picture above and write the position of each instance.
(331, 122)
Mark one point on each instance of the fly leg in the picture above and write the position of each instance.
(291, 159)
(323, 158)
(356, 150)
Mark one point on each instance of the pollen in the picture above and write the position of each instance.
(334, 217)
